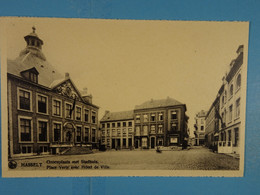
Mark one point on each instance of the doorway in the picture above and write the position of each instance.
(152, 142)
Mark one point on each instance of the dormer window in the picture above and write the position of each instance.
(31, 75)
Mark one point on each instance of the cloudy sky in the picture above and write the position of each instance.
(126, 62)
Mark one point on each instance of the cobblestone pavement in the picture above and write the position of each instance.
(193, 159)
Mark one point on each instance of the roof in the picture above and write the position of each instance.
(114, 116)
(47, 73)
(158, 103)
(202, 113)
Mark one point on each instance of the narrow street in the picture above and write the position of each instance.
(193, 159)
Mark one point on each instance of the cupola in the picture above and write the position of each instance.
(33, 40)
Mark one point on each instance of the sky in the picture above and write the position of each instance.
(124, 63)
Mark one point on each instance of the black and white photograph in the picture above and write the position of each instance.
(100, 97)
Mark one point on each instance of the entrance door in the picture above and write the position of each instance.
(113, 143)
(152, 142)
(118, 143)
(136, 143)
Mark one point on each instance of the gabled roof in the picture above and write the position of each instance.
(34, 70)
(115, 116)
(202, 113)
(158, 103)
(67, 82)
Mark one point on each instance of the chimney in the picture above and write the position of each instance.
(240, 49)
(67, 75)
(85, 91)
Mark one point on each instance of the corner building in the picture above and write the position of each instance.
(47, 114)
(160, 123)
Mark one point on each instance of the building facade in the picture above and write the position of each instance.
(227, 109)
(117, 130)
(213, 122)
(199, 126)
(46, 112)
(160, 123)
(230, 101)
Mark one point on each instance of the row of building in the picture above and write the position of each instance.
(220, 127)
(47, 114)
(153, 123)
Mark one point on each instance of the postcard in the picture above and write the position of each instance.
(99, 97)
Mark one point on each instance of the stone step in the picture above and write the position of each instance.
(77, 150)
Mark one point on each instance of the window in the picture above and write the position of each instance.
(152, 117)
(103, 125)
(68, 111)
(57, 132)
(238, 82)
(153, 129)
(230, 113)
(26, 149)
(201, 128)
(129, 124)
(160, 116)
(174, 127)
(78, 113)
(56, 107)
(124, 132)
(124, 124)
(108, 125)
(118, 132)
(42, 104)
(160, 129)
(86, 134)
(236, 136)
(113, 132)
(137, 118)
(223, 100)
(160, 141)
(225, 115)
(43, 149)
(86, 113)
(238, 108)
(229, 135)
(93, 135)
(78, 134)
(93, 117)
(145, 130)
(103, 132)
(145, 118)
(130, 132)
(137, 131)
(42, 132)
(231, 90)
(33, 77)
(173, 115)
(225, 96)
(108, 132)
(24, 100)
(25, 129)
(118, 124)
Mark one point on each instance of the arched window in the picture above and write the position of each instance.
(231, 90)
(238, 84)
